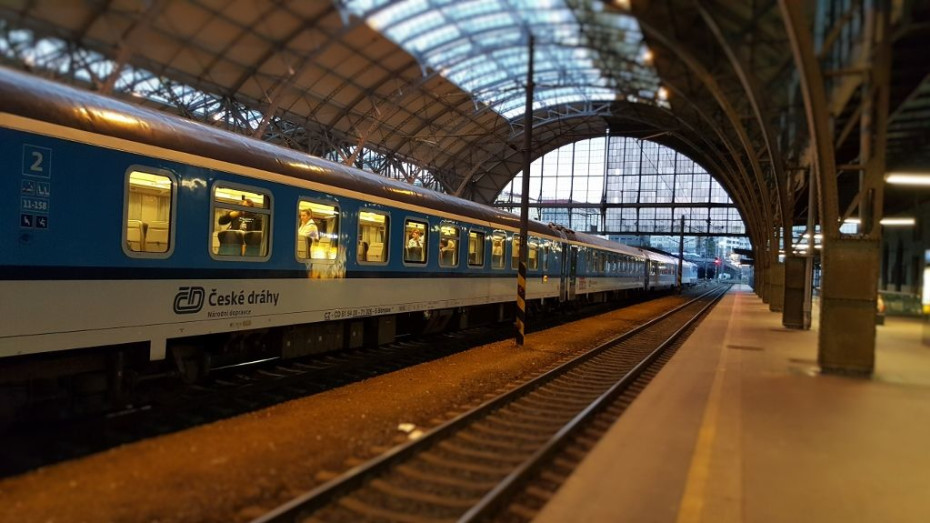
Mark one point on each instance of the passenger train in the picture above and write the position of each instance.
(133, 242)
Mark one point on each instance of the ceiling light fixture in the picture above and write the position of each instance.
(902, 178)
(900, 221)
(903, 222)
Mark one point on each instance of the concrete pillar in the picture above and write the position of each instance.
(777, 287)
(766, 275)
(798, 279)
(756, 283)
(847, 306)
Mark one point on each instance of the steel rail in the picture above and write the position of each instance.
(511, 483)
(321, 496)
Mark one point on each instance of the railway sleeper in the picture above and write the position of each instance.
(489, 470)
(456, 448)
(443, 479)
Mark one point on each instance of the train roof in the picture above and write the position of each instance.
(39, 99)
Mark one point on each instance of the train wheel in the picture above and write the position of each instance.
(190, 362)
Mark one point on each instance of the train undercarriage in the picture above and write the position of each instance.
(82, 381)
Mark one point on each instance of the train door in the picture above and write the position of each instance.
(572, 264)
(647, 265)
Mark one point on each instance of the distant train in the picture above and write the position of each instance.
(136, 242)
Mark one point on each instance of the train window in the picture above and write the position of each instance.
(317, 231)
(373, 229)
(149, 198)
(515, 251)
(448, 246)
(416, 241)
(545, 246)
(498, 239)
(532, 254)
(241, 222)
(475, 249)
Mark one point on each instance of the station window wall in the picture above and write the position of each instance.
(643, 188)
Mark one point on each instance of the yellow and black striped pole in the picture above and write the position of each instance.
(524, 199)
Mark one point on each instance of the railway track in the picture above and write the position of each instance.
(484, 462)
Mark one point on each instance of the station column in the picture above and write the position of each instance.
(850, 262)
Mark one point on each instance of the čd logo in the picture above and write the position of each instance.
(188, 300)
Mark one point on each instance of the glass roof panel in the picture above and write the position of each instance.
(583, 54)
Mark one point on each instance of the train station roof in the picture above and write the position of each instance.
(439, 87)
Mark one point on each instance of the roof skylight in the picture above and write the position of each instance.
(583, 54)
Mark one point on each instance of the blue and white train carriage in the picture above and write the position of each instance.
(118, 247)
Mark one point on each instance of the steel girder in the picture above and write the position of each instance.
(722, 99)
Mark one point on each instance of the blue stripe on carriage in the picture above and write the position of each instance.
(18, 273)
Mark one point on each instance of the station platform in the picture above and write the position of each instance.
(740, 426)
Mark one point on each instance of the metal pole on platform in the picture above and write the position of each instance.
(524, 199)
(681, 251)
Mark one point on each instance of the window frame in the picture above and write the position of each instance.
(268, 212)
(387, 236)
(425, 223)
(484, 238)
(545, 248)
(514, 249)
(458, 245)
(172, 219)
(499, 233)
(338, 214)
(530, 241)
